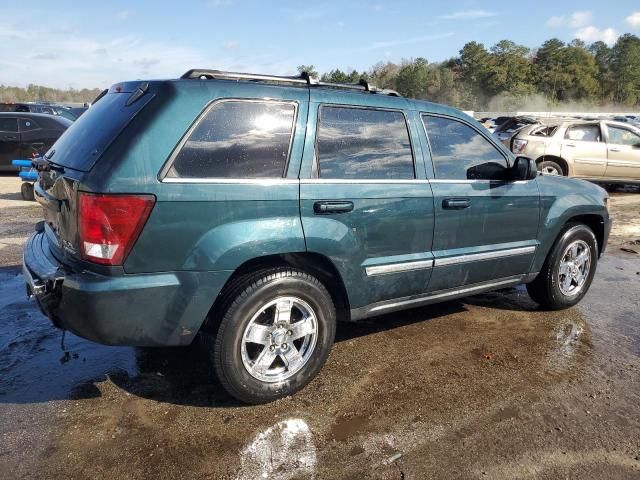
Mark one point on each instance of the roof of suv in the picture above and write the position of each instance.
(306, 80)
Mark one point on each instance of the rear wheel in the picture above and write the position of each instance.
(568, 271)
(550, 168)
(275, 334)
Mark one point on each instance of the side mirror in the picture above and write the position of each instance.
(524, 168)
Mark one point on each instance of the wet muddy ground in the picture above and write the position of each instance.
(487, 387)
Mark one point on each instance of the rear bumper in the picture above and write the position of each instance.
(156, 309)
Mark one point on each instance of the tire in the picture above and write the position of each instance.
(547, 289)
(550, 167)
(249, 302)
(26, 191)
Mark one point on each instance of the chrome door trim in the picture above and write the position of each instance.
(474, 257)
(388, 306)
(398, 267)
(252, 181)
(307, 181)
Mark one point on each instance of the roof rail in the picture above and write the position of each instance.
(304, 78)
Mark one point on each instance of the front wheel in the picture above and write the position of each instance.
(275, 334)
(568, 270)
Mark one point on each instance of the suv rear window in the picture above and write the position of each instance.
(238, 139)
(362, 143)
(81, 145)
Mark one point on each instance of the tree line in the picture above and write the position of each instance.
(510, 76)
(506, 76)
(34, 93)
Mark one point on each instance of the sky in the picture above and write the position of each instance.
(95, 44)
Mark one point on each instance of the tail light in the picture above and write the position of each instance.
(109, 225)
(518, 146)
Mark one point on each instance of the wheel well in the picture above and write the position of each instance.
(595, 223)
(313, 263)
(559, 160)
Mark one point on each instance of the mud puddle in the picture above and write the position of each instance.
(488, 384)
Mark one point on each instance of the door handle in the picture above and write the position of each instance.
(10, 137)
(569, 144)
(615, 150)
(325, 208)
(456, 203)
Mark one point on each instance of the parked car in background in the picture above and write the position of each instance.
(597, 150)
(509, 127)
(23, 135)
(42, 107)
(257, 211)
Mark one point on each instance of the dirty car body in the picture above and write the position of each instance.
(258, 211)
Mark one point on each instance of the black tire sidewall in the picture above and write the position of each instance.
(551, 164)
(572, 233)
(228, 357)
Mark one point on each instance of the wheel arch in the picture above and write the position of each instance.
(314, 264)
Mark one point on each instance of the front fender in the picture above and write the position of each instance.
(562, 199)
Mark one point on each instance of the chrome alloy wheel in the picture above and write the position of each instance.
(280, 339)
(550, 170)
(575, 265)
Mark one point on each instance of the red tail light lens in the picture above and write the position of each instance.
(109, 225)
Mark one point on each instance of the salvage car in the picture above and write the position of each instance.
(604, 151)
(23, 135)
(256, 211)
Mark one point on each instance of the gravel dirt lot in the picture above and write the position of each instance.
(486, 387)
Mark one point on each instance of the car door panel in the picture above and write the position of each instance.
(493, 235)
(381, 246)
(9, 142)
(584, 148)
(623, 153)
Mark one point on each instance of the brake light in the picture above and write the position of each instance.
(519, 145)
(109, 225)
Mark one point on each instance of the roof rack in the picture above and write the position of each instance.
(304, 78)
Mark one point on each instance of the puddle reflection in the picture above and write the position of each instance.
(283, 451)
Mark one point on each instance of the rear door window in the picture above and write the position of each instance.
(8, 124)
(238, 139)
(584, 133)
(460, 153)
(360, 143)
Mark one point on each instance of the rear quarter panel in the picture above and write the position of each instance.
(210, 226)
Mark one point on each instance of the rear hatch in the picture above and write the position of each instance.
(72, 157)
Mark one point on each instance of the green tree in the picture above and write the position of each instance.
(625, 65)
(310, 69)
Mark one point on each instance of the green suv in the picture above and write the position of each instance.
(256, 211)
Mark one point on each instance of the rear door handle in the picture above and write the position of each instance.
(569, 144)
(456, 203)
(325, 208)
(613, 149)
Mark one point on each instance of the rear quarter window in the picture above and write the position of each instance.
(237, 139)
